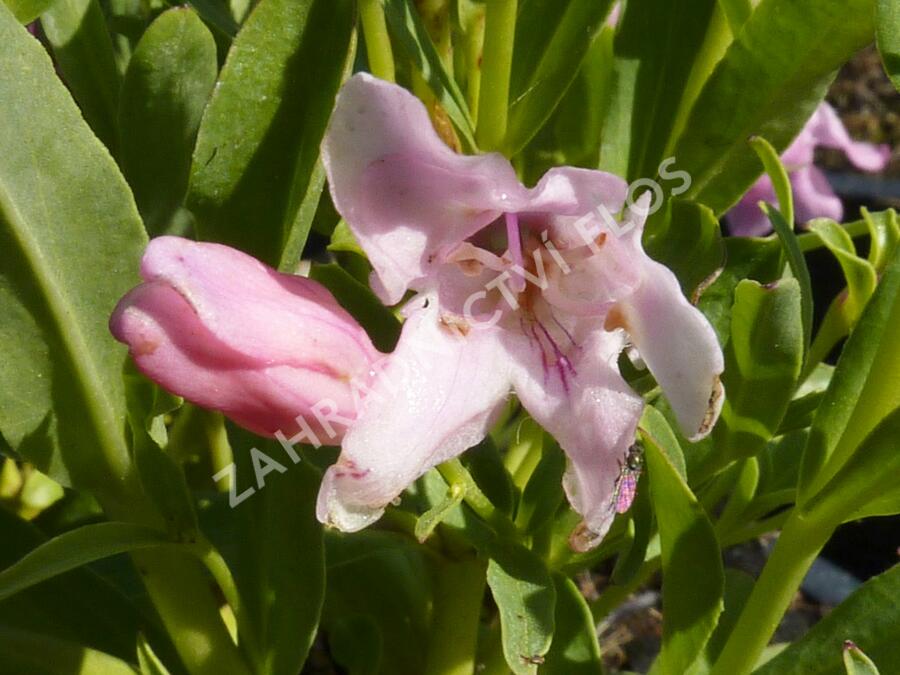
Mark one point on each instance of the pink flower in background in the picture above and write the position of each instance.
(224, 331)
(813, 196)
(524, 290)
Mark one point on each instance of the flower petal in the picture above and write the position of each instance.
(593, 416)
(569, 191)
(405, 194)
(171, 346)
(268, 317)
(435, 397)
(746, 219)
(813, 196)
(677, 343)
(829, 131)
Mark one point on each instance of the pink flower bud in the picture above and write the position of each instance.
(273, 352)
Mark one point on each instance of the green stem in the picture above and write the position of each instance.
(454, 472)
(378, 42)
(458, 597)
(220, 453)
(797, 546)
(474, 44)
(493, 105)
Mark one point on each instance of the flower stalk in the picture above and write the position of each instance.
(378, 42)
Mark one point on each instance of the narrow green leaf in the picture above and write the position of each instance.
(74, 549)
(382, 326)
(551, 42)
(281, 566)
(738, 586)
(779, 176)
(737, 12)
(693, 580)
(654, 423)
(797, 263)
(35, 654)
(526, 597)
(65, 606)
(77, 32)
(763, 360)
(406, 27)
(687, 238)
(575, 650)
(769, 82)
(869, 618)
(216, 13)
(884, 232)
(258, 146)
(27, 11)
(863, 390)
(887, 35)
(61, 397)
(169, 79)
(148, 661)
(435, 515)
(543, 493)
(655, 47)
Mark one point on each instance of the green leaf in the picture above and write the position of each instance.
(745, 258)
(869, 618)
(74, 549)
(382, 582)
(868, 476)
(526, 597)
(769, 82)
(148, 661)
(846, 308)
(77, 32)
(216, 13)
(543, 493)
(654, 423)
(797, 263)
(575, 650)
(27, 11)
(61, 398)
(436, 514)
(693, 580)
(856, 662)
(655, 47)
(687, 238)
(67, 606)
(863, 389)
(763, 360)
(281, 570)
(884, 232)
(552, 39)
(737, 12)
(35, 654)
(887, 35)
(382, 326)
(738, 586)
(406, 27)
(255, 161)
(781, 183)
(170, 77)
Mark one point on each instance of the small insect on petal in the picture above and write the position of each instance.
(626, 483)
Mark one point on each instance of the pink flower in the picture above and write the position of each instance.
(813, 196)
(224, 331)
(535, 291)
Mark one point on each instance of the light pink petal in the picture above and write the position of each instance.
(676, 342)
(405, 194)
(813, 196)
(569, 191)
(435, 397)
(746, 219)
(268, 317)
(830, 132)
(171, 346)
(593, 415)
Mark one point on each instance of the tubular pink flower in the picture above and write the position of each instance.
(533, 291)
(813, 196)
(224, 331)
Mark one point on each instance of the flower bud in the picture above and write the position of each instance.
(273, 352)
